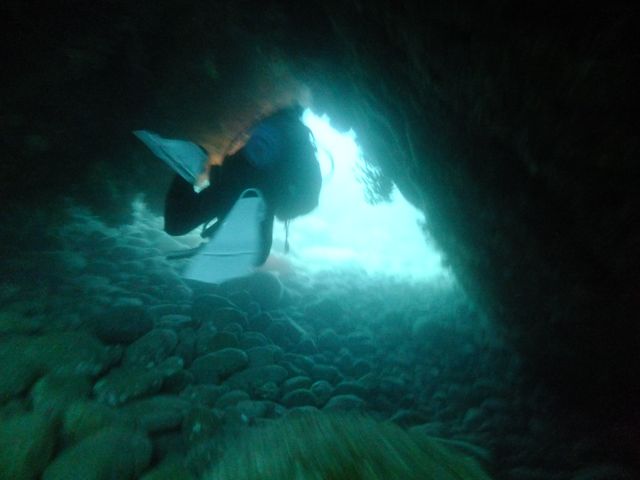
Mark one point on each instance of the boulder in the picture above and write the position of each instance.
(127, 383)
(109, 453)
(186, 347)
(200, 424)
(204, 395)
(222, 317)
(213, 366)
(266, 355)
(158, 413)
(265, 289)
(326, 372)
(27, 444)
(55, 391)
(170, 469)
(204, 305)
(85, 418)
(72, 352)
(253, 378)
(151, 349)
(351, 388)
(329, 340)
(231, 398)
(322, 390)
(344, 403)
(296, 383)
(260, 322)
(123, 324)
(252, 339)
(299, 398)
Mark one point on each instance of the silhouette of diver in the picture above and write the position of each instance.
(278, 159)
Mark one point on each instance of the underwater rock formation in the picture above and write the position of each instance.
(510, 127)
(415, 358)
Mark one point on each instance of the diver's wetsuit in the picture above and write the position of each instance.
(186, 209)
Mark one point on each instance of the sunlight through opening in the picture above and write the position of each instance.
(347, 232)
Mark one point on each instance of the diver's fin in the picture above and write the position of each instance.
(185, 158)
(236, 245)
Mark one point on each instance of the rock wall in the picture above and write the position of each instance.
(511, 127)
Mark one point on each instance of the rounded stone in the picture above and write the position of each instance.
(266, 289)
(329, 340)
(296, 383)
(299, 398)
(204, 305)
(326, 372)
(200, 424)
(110, 453)
(220, 364)
(252, 339)
(27, 444)
(260, 322)
(151, 349)
(322, 390)
(351, 388)
(223, 317)
(232, 398)
(266, 355)
(344, 403)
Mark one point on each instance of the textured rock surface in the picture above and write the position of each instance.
(511, 126)
(511, 131)
(110, 453)
(27, 444)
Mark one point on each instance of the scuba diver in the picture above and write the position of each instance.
(277, 166)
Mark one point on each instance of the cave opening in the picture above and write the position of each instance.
(349, 230)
